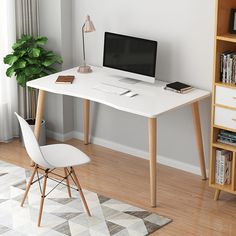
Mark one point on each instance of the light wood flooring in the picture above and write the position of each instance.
(182, 196)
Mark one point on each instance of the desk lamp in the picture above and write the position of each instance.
(86, 28)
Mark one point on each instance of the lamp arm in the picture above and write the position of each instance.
(83, 45)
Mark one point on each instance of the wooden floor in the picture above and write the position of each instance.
(181, 196)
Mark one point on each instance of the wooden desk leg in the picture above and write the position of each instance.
(39, 116)
(152, 125)
(198, 135)
(86, 107)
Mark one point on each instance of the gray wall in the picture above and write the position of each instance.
(184, 30)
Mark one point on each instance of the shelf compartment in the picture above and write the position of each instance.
(221, 47)
(219, 145)
(224, 10)
(227, 187)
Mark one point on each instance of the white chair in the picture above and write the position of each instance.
(48, 158)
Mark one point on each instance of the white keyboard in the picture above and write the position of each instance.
(107, 88)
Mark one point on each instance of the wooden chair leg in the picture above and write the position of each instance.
(217, 194)
(80, 191)
(67, 182)
(42, 197)
(29, 185)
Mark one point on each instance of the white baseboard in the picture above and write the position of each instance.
(59, 136)
(122, 148)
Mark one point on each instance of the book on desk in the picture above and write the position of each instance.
(178, 87)
(65, 79)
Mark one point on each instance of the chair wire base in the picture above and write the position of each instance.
(42, 188)
(48, 171)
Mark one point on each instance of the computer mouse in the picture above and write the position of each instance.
(131, 94)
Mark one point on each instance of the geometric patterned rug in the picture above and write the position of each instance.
(63, 216)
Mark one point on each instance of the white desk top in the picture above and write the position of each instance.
(152, 100)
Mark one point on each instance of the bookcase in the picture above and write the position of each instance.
(223, 115)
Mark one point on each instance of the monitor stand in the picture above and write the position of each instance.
(129, 81)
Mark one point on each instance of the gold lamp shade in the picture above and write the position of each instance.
(88, 25)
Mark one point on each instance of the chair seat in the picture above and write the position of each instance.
(63, 155)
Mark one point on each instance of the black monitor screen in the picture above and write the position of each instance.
(130, 54)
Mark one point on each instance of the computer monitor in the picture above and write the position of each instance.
(130, 57)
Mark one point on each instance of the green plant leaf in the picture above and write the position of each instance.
(48, 62)
(34, 52)
(53, 55)
(10, 59)
(41, 40)
(26, 37)
(59, 60)
(33, 61)
(20, 42)
(50, 54)
(20, 53)
(42, 74)
(51, 60)
(51, 69)
(19, 64)
(21, 79)
(32, 70)
(10, 71)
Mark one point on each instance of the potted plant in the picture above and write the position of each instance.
(28, 61)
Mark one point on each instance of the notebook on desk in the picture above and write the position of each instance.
(65, 79)
(178, 87)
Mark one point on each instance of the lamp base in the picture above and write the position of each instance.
(84, 69)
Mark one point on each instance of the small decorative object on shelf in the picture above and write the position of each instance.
(232, 24)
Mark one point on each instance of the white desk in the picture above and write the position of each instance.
(152, 101)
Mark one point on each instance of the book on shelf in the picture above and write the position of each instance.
(228, 67)
(226, 141)
(65, 79)
(178, 87)
(223, 167)
(226, 137)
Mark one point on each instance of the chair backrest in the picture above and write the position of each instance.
(31, 143)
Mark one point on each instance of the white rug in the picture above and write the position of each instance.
(65, 216)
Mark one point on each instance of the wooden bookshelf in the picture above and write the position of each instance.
(224, 41)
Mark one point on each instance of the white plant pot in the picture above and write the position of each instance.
(42, 138)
